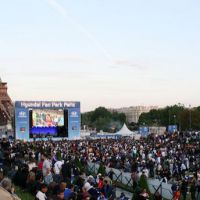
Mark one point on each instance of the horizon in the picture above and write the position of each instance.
(101, 53)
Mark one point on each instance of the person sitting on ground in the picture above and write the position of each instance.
(6, 190)
(123, 197)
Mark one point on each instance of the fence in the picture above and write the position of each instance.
(125, 178)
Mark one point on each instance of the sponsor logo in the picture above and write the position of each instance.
(22, 114)
(74, 114)
(74, 128)
(22, 129)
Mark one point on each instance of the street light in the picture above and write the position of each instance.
(174, 119)
(169, 116)
(190, 117)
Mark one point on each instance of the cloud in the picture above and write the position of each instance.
(58, 7)
(127, 63)
(38, 59)
(81, 29)
(73, 58)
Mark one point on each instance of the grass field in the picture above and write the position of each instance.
(23, 195)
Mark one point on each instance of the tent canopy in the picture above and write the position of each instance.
(124, 131)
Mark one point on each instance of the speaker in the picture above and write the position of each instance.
(66, 124)
(30, 119)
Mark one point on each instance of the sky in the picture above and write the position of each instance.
(112, 53)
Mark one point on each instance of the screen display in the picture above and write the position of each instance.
(47, 118)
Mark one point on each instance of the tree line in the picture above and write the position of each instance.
(184, 118)
(103, 119)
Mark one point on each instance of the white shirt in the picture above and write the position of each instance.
(46, 165)
(58, 166)
(41, 196)
(183, 167)
(31, 166)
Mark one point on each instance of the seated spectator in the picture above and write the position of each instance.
(123, 197)
(7, 191)
(7, 185)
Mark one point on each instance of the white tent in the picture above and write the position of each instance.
(124, 131)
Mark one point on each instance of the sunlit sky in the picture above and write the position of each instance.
(111, 53)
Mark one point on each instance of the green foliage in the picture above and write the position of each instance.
(102, 170)
(23, 195)
(103, 119)
(133, 126)
(79, 165)
(169, 115)
(142, 184)
(58, 155)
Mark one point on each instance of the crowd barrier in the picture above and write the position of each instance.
(125, 178)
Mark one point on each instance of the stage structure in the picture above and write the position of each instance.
(44, 119)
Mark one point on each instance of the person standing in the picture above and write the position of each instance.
(193, 190)
(46, 170)
(184, 189)
(41, 194)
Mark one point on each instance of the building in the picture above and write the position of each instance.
(6, 106)
(133, 113)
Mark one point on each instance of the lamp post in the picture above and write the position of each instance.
(174, 119)
(175, 128)
(190, 117)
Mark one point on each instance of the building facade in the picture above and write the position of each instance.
(133, 113)
(6, 106)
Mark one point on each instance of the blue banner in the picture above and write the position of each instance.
(74, 120)
(144, 131)
(22, 123)
(172, 128)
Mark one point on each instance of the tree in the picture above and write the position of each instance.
(142, 184)
(103, 119)
(163, 116)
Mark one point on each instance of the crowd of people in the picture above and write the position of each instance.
(58, 169)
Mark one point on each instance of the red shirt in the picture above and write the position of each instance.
(100, 184)
(40, 165)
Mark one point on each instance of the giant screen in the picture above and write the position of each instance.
(39, 119)
(47, 118)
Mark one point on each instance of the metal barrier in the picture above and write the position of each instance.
(155, 185)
